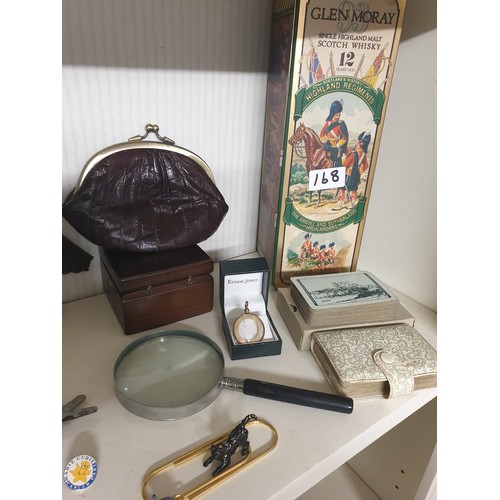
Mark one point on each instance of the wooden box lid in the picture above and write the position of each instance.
(132, 271)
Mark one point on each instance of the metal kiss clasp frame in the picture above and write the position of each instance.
(219, 448)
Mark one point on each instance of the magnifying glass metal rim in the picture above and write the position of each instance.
(164, 412)
(248, 386)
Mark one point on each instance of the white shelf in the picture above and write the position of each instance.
(343, 484)
(312, 443)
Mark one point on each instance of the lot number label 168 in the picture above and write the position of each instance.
(326, 178)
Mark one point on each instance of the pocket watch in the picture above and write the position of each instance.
(248, 327)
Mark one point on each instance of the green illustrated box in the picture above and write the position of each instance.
(330, 70)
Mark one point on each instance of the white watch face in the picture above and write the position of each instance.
(248, 329)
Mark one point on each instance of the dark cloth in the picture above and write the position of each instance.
(74, 259)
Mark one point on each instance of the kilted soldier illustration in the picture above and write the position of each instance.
(331, 254)
(322, 257)
(315, 251)
(334, 134)
(355, 163)
(305, 249)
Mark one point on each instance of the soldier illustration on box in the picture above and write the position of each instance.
(339, 69)
(306, 249)
(319, 256)
(334, 134)
(355, 163)
(324, 149)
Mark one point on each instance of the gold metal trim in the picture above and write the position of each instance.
(203, 488)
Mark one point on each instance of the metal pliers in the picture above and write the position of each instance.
(69, 411)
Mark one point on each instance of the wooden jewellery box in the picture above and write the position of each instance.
(148, 290)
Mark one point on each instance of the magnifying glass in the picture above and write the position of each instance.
(170, 375)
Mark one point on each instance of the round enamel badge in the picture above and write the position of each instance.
(80, 472)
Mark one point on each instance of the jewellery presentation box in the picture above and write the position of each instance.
(247, 281)
(302, 332)
(147, 290)
(331, 65)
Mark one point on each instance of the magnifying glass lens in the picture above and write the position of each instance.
(169, 371)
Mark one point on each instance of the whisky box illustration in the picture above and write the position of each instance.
(330, 70)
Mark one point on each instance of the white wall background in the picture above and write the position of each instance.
(399, 241)
(198, 68)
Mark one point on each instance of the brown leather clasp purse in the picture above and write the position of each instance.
(142, 196)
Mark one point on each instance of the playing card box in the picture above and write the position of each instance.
(301, 331)
(347, 297)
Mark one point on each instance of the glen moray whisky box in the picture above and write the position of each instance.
(330, 71)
